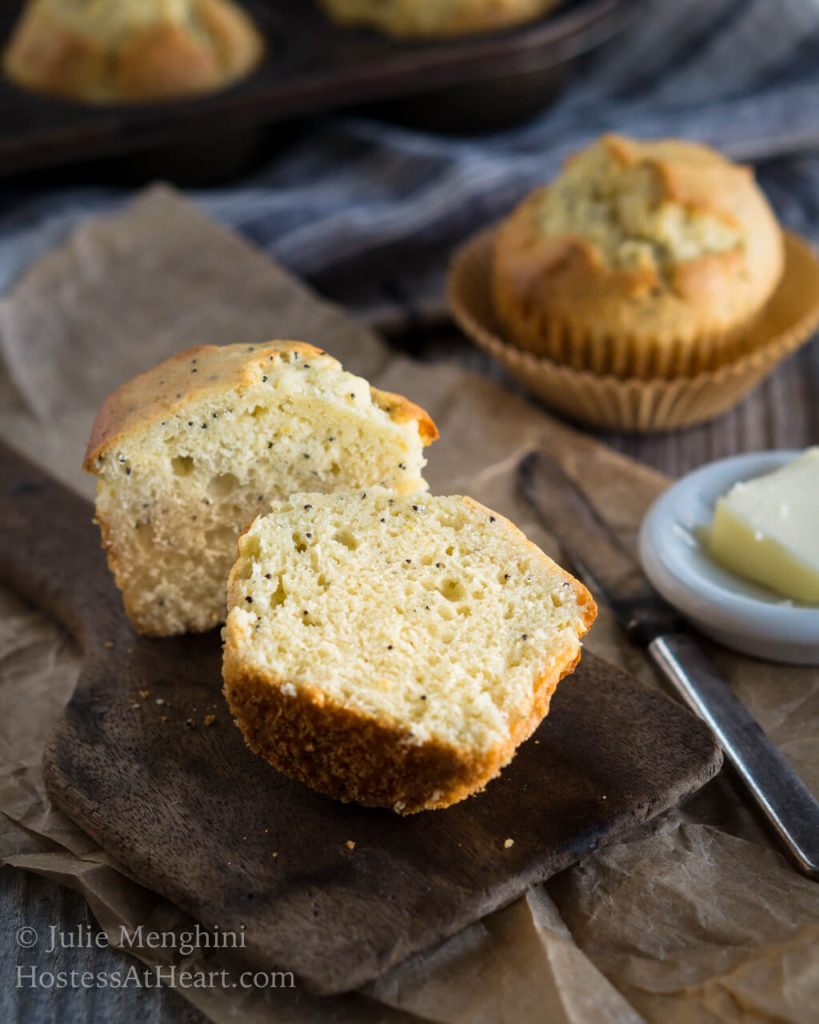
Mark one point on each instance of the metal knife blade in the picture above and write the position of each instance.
(616, 577)
(593, 551)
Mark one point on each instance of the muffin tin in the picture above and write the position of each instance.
(313, 65)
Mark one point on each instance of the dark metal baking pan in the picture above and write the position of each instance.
(312, 66)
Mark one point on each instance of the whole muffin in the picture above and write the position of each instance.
(430, 18)
(131, 50)
(644, 259)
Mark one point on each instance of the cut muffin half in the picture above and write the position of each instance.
(189, 452)
(395, 650)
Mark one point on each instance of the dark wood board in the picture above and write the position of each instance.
(782, 413)
(192, 814)
(312, 66)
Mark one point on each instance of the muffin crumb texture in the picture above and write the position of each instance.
(395, 650)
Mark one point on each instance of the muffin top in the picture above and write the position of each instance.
(119, 50)
(665, 236)
(647, 204)
(112, 22)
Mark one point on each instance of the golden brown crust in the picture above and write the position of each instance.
(402, 410)
(142, 624)
(693, 175)
(164, 61)
(236, 41)
(157, 60)
(195, 372)
(424, 18)
(352, 757)
(559, 297)
(43, 57)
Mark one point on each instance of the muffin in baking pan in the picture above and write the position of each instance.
(642, 259)
(431, 18)
(109, 51)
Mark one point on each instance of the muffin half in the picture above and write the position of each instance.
(395, 651)
(188, 453)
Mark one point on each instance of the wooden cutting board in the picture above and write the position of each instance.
(174, 794)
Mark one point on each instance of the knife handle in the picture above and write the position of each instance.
(777, 789)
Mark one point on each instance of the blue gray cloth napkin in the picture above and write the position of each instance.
(369, 212)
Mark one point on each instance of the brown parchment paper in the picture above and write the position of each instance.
(694, 918)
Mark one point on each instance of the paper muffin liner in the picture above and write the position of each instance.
(571, 344)
(655, 403)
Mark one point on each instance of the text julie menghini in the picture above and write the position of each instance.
(137, 939)
(140, 937)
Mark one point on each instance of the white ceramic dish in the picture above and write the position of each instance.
(731, 610)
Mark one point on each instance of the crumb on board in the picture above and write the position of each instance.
(190, 723)
(350, 844)
(144, 694)
(508, 844)
(210, 720)
(108, 645)
(274, 854)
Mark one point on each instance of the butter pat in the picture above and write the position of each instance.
(767, 529)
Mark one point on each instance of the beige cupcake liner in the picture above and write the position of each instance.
(570, 344)
(644, 405)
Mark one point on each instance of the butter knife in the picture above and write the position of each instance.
(673, 646)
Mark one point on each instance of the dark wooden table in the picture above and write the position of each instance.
(783, 413)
